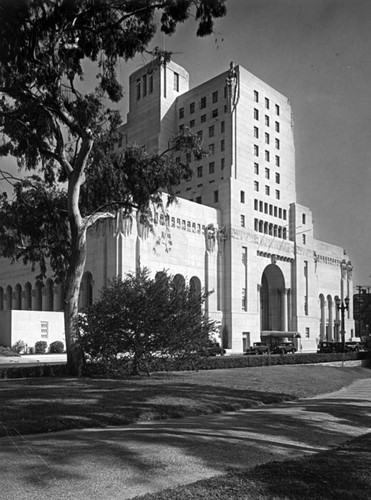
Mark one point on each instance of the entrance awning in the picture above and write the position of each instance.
(279, 334)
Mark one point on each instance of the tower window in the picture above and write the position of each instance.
(176, 81)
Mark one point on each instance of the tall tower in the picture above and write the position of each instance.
(152, 116)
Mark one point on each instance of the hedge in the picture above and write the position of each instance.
(39, 370)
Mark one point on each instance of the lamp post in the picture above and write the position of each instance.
(342, 307)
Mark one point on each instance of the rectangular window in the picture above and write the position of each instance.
(277, 110)
(199, 171)
(260, 206)
(222, 163)
(138, 89)
(211, 149)
(192, 124)
(211, 167)
(256, 224)
(176, 81)
(267, 156)
(44, 329)
(256, 186)
(214, 113)
(181, 128)
(199, 200)
(177, 160)
(199, 133)
(203, 102)
(150, 83)
(203, 118)
(266, 138)
(304, 219)
(144, 82)
(242, 221)
(267, 103)
(278, 179)
(267, 192)
(192, 108)
(277, 161)
(277, 126)
(215, 97)
(256, 204)
(280, 213)
(256, 150)
(222, 145)
(284, 215)
(270, 209)
(256, 132)
(267, 173)
(222, 127)
(256, 96)
(278, 194)
(211, 131)
(275, 211)
(267, 120)
(244, 308)
(181, 113)
(307, 332)
(242, 196)
(256, 114)
(277, 142)
(216, 196)
(256, 168)
(304, 239)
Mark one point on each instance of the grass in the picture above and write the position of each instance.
(36, 405)
(343, 473)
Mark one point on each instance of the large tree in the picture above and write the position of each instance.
(51, 125)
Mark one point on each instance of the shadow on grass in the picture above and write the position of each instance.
(183, 450)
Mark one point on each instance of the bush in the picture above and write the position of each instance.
(7, 351)
(40, 347)
(20, 347)
(56, 347)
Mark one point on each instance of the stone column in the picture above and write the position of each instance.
(284, 309)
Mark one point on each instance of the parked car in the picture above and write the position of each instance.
(213, 349)
(354, 345)
(326, 346)
(258, 348)
(284, 348)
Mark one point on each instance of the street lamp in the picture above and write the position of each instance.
(342, 307)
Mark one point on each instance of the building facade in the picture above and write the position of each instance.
(236, 228)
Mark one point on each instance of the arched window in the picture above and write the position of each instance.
(39, 296)
(87, 290)
(18, 297)
(49, 295)
(9, 298)
(27, 296)
(179, 282)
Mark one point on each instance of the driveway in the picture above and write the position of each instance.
(121, 462)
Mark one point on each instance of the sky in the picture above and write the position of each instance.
(318, 54)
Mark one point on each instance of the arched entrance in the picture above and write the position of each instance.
(273, 300)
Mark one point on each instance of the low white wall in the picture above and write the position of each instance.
(31, 326)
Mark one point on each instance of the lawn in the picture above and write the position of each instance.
(29, 406)
(343, 473)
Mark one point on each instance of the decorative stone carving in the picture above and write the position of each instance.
(343, 267)
(210, 236)
(349, 270)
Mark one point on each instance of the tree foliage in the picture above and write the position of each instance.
(51, 124)
(139, 318)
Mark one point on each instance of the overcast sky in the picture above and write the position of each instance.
(317, 53)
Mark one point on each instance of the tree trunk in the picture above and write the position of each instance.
(75, 272)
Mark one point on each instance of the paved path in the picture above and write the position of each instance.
(121, 462)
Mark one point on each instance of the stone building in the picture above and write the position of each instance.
(236, 229)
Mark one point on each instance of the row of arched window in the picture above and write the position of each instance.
(42, 296)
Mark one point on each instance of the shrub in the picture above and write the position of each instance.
(56, 347)
(20, 347)
(40, 347)
(7, 351)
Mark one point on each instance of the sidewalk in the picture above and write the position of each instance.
(33, 359)
(121, 462)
